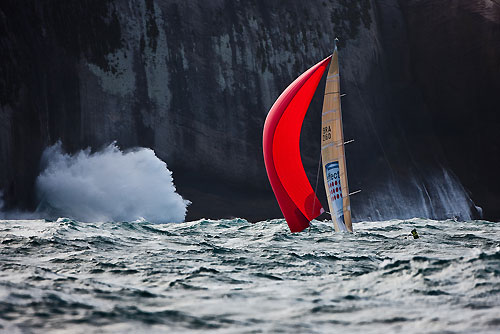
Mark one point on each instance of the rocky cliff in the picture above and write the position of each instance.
(455, 50)
(194, 81)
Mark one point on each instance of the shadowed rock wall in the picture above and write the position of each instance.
(455, 48)
(194, 81)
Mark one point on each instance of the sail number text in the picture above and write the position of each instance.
(327, 133)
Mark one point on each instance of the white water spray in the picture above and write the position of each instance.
(109, 185)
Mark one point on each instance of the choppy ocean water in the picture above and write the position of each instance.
(230, 276)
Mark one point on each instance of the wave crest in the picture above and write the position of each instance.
(109, 185)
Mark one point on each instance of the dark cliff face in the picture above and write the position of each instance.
(42, 44)
(194, 81)
(455, 48)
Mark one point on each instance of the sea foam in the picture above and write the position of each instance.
(109, 185)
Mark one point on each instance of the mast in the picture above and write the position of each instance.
(332, 150)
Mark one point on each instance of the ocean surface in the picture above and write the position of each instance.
(231, 276)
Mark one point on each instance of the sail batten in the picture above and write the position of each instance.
(281, 146)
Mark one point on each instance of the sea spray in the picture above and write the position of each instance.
(109, 185)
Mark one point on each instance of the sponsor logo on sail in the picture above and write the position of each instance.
(335, 188)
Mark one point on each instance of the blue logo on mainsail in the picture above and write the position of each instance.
(332, 172)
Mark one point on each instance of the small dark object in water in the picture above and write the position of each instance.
(414, 233)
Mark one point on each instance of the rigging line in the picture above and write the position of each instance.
(374, 129)
(317, 179)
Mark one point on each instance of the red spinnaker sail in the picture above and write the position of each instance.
(281, 145)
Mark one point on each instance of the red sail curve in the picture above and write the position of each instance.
(281, 146)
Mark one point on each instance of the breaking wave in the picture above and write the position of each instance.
(109, 185)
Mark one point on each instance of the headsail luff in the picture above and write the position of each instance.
(281, 146)
(332, 151)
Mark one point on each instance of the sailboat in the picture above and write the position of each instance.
(281, 147)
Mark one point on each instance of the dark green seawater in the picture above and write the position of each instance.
(230, 276)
